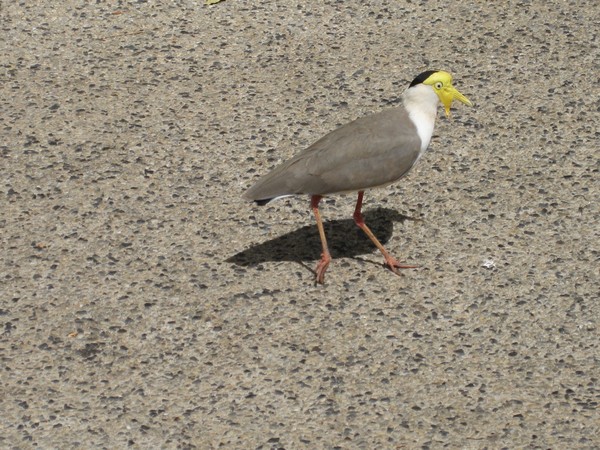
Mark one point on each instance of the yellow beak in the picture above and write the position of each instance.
(450, 93)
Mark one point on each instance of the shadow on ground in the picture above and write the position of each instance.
(344, 237)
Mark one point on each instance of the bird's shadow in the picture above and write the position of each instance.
(345, 239)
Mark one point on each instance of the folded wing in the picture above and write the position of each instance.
(371, 151)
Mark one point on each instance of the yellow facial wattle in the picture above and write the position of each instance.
(442, 85)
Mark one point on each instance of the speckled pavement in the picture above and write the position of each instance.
(145, 304)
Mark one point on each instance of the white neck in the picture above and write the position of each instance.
(421, 103)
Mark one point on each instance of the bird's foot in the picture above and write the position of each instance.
(394, 265)
(321, 268)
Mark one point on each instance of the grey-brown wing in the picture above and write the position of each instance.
(369, 152)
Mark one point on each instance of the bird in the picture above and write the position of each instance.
(369, 152)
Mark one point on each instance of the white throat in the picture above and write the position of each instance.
(421, 103)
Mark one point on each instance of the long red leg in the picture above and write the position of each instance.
(325, 256)
(392, 262)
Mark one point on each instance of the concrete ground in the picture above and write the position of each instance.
(144, 304)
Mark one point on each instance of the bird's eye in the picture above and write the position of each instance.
(438, 85)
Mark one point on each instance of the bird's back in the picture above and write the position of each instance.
(371, 151)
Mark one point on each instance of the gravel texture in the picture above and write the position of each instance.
(144, 304)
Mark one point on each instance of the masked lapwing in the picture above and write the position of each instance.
(370, 152)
